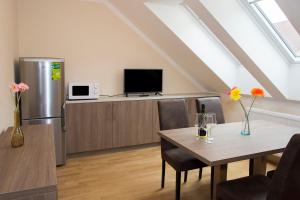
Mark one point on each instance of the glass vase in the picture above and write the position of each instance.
(17, 137)
(245, 127)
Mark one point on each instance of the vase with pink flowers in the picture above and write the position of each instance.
(17, 136)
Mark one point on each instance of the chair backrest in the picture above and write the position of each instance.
(212, 105)
(172, 115)
(286, 179)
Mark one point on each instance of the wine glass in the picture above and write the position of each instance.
(196, 122)
(211, 122)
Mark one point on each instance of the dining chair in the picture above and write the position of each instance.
(212, 105)
(173, 115)
(270, 173)
(285, 183)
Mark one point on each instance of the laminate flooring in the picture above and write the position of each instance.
(132, 174)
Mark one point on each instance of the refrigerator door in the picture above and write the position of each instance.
(59, 136)
(45, 78)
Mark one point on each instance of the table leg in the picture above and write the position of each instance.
(219, 175)
(251, 162)
(258, 166)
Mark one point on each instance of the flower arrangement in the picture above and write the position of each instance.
(17, 136)
(17, 90)
(235, 94)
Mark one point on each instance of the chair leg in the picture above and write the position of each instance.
(185, 176)
(212, 172)
(200, 173)
(178, 183)
(163, 170)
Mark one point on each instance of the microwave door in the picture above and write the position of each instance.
(80, 91)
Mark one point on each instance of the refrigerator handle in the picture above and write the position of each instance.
(63, 114)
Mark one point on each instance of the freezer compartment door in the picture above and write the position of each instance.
(46, 94)
(59, 137)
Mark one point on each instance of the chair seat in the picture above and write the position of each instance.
(181, 161)
(247, 188)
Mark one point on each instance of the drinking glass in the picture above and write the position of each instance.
(211, 122)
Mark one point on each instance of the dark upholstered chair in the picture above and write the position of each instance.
(173, 115)
(212, 105)
(284, 185)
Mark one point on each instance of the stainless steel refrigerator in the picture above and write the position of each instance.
(44, 102)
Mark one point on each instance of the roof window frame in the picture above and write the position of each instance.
(270, 30)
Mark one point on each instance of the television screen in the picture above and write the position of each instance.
(142, 80)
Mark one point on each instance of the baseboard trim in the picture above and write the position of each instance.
(113, 150)
(277, 114)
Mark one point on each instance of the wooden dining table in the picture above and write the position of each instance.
(229, 145)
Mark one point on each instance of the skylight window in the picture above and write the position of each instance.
(274, 17)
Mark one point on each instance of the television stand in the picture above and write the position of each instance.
(144, 95)
(158, 93)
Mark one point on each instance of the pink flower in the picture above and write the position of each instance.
(14, 88)
(23, 87)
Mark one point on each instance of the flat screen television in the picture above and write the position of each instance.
(143, 80)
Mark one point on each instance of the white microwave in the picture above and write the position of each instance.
(81, 90)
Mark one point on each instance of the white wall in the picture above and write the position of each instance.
(281, 118)
(246, 82)
(8, 54)
(289, 107)
(95, 43)
(294, 78)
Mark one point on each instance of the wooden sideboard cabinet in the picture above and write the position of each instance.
(89, 126)
(155, 121)
(120, 122)
(132, 123)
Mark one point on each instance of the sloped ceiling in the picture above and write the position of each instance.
(203, 42)
(261, 61)
(168, 42)
(233, 46)
(251, 38)
(291, 8)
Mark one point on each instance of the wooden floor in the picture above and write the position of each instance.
(131, 175)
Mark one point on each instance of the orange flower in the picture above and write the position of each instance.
(257, 92)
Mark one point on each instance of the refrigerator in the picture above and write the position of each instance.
(44, 102)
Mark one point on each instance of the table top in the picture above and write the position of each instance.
(30, 167)
(229, 145)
